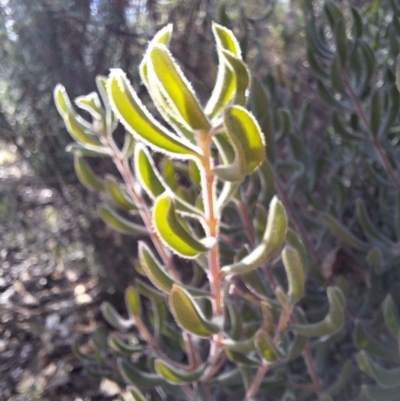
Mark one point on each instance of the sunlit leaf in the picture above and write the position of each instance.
(140, 123)
(119, 223)
(271, 243)
(173, 233)
(86, 175)
(188, 315)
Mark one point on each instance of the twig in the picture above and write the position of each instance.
(377, 146)
(308, 359)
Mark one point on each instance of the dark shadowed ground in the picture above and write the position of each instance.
(49, 291)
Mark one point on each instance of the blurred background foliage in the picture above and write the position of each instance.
(45, 42)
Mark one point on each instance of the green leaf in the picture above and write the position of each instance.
(175, 87)
(173, 234)
(140, 123)
(114, 318)
(86, 175)
(248, 144)
(240, 346)
(241, 77)
(158, 275)
(178, 376)
(241, 359)
(132, 302)
(118, 196)
(336, 76)
(374, 393)
(143, 380)
(344, 378)
(366, 224)
(391, 112)
(146, 172)
(387, 378)
(91, 104)
(376, 112)
(337, 229)
(225, 39)
(153, 270)
(366, 343)
(391, 316)
(225, 84)
(129, 146)
(62, 100)
(122, 347)
(274, 235)
(294, 272)
(188, 315)
(136, 394)
(341, 41)
(358, 26)
(332, 322)
(119, 223)
(266, 348)
(79, 353)
(235, 320)
(78, 131)
(88, 150)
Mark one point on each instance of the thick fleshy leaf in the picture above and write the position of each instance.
(133, 375)
(88, 150)
(153, 270)
(241, 346)
(344, 378)
(62, 100)
(266, 348)
(122, 347)
(176, 88)
(132, 302)
(226, 40)
(188, 315)
(136, 394)
(140, 123)
(248, 144)
(114, 318)
(158, 275)
(370, 231)
(119, 223)
(241, 359)
(77, 131)
(178, 376)
(385, 377)
(333, 320)
(91, 104)
(391, 316)
(118, 196)
(376, 393)
(271, 243)
(86, 175)
(374, 348)
(337, 229)
(173, 233)
(79, 353)
(294, 272)
(146, 172)
(241, 77)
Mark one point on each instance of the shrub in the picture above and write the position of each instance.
(234, 298)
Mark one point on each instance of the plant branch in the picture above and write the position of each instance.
(211, 217)
(263, 368)
(124, 169)
(312, 370)
(374, 140)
